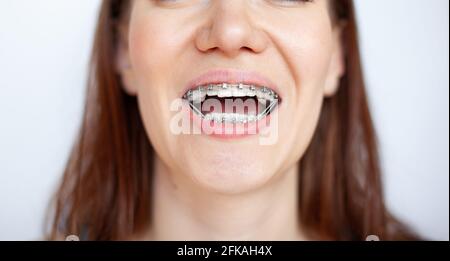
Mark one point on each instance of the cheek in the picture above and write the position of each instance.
(310, 58)
(308, 53)
(309, 49)
(151, 56)
(304, 40)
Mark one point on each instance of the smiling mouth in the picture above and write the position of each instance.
(236, 103)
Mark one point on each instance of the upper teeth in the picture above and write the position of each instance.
(224, 90)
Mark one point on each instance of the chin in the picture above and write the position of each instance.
(231, 168)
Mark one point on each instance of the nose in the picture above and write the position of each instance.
(229, 30)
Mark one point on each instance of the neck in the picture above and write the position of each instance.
(187, 212)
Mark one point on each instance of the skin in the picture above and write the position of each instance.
(214, 189)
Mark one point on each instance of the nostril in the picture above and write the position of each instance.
(245, 48)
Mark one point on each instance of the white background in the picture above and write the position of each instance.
(45, 45)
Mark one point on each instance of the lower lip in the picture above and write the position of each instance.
(227, 130)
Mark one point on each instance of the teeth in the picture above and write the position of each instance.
(252, 118)
(212, 90)
(230, 117)
(199, 94)
(239, 91)
(262, 100)
(260, 94)
(230, 90)
(223, 90)
(251, 91)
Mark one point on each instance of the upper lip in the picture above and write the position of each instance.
(231, 76)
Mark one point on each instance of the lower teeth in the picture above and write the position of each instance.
(230, 117)
(234, 117)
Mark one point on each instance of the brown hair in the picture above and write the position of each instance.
(106, 190)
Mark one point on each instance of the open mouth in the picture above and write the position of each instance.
(232, 102)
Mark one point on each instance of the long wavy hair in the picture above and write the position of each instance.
(106, 192)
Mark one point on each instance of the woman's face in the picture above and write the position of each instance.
(231, 49)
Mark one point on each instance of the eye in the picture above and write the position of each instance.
(175, 3)
(291, 2)
(167, 1)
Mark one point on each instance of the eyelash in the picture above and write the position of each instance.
(296, 0)
(291, 1)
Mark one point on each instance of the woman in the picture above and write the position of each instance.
(161, 156)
